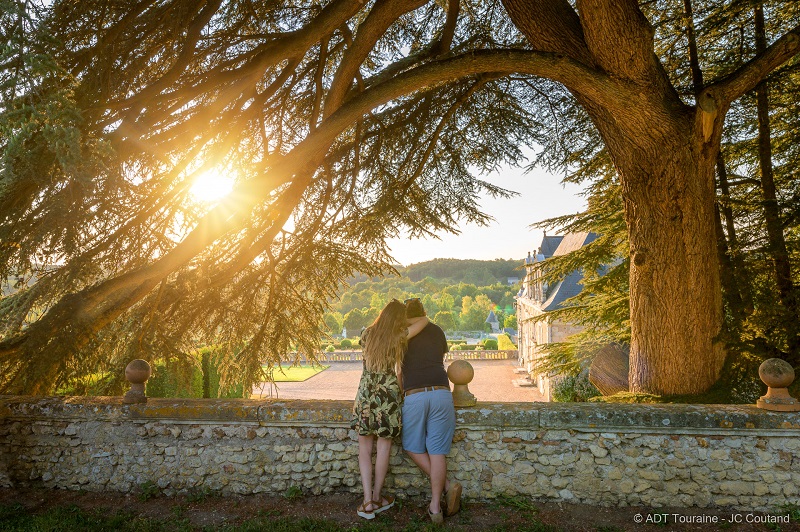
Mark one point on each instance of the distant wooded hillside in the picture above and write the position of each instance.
(478, 272)
(472, 271)
(457, 294)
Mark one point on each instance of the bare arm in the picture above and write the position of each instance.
(415, 326)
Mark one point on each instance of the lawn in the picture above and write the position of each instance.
(294, 373)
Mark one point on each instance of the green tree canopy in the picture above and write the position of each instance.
(343, 123)
(474, 312)
(446, 320)
(333, 322)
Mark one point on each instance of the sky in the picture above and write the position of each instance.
(541, 196)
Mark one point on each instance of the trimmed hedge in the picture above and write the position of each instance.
(196, 376)
(504, 343)
(490, 344)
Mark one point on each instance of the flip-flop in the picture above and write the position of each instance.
(389, 503)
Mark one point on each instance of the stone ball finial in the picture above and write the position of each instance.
(136, 372)
(777, 374)
(460, 373)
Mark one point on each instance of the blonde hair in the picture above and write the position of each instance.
(386, 339)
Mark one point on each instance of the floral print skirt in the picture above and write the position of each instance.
(378, 406)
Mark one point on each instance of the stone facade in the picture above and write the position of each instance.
(533, 335)
(654, 455)
(537, 299)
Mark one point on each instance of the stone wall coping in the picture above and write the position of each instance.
(581, 417)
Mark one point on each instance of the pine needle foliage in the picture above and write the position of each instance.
(602, 307)
(343, 123)
(110, 113)
(764, 328)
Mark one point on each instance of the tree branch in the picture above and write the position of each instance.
(91, 309)
(619, 37)
(550, 26)
(721, 93)
(442, 46)
(185, 57)
(380, 18)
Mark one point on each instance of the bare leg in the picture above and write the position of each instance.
(365, 465)
(381, 466)
(438, 476)
(423, 462)
(435, 467)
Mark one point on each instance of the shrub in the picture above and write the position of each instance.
(148, 490)
(464, 347)
(504, 343)
(293, 492)
(346, 343)
(106, 383)
(490, 344)
(196, 375)
(573, 389)
(330, 348)
(175, 378)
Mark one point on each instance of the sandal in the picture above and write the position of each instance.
(436, 518)
(364, 512)
(452, 499)
(379, 507)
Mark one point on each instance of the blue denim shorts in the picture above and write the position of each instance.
(429, 422)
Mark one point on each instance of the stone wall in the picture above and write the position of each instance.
(352, 356)
(653, 455)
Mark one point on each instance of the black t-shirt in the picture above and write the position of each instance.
(423, 364)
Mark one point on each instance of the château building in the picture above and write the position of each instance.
(537, 298)
(493, 322)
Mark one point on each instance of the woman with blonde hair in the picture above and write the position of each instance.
(378, 407)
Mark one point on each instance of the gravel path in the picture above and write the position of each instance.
(493, 382)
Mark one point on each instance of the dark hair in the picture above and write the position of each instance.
(414, 308)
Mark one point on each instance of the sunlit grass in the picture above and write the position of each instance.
(294, 373)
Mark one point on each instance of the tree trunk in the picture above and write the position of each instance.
(664, 152)
(732, 268)
(730, 286)
(609, 370)
(676, 304)
(776, 247)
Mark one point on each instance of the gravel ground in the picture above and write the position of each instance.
(493, 382)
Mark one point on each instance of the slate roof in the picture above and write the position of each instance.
(491, 318)
(546, 250)
(570, 285)
(550, 245)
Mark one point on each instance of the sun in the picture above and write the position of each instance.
(211, 186)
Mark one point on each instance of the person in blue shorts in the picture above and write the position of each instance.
(429, 417)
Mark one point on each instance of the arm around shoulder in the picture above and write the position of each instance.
(415, 325)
